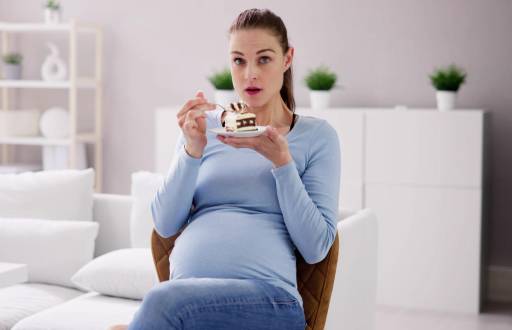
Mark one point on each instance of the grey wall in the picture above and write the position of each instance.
(159, 52)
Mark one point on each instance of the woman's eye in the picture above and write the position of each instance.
(264, 59)
(238, 60)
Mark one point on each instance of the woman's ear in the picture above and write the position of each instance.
(288, 58)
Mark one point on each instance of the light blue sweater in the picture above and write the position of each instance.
(244, 217)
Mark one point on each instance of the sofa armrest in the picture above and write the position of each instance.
(112, 212)
(355, 287)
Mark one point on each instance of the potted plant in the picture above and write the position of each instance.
(223, 84)
(52, 12)
(12, 66)
(447, 82)
(320, 81)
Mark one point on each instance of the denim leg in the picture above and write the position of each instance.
(220, 304)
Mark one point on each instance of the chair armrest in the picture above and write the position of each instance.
(355, 287)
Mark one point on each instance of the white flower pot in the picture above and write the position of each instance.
(12, 71)
(445, 100)
(51, 16)
(225, 97)
(320, 99)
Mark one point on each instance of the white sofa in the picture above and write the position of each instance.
(53, 307)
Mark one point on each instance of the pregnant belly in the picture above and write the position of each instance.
(234, 245)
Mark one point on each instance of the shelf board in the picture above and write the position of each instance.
(43, 27)
(65, 84)
(43, 141)
(14, 168)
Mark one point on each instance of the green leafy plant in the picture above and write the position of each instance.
(320, 79)
(449, 78)
(222, 80)
(13, 58)
(52, 5)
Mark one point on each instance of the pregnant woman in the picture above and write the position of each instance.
(245, 204)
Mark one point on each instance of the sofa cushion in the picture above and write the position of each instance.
(22, 300)
(53, 250)
(54, 195)
(91, 311)
(126, 273)
(144, 188)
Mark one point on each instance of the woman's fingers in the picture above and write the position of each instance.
(200, 94)
(205, 106)
(197, 103)
(191, 125)
(193, 105)
(192, 115)
(189, 105)
(272, 133)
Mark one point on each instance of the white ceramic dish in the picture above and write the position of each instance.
(222, 131)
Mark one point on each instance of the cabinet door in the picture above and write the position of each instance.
(349, 126)
(429, 246)
(424, 147)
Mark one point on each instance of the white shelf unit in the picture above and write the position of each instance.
(73, 29)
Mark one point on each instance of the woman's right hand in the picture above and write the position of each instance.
(192, 121)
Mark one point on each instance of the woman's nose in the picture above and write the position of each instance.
(251, 72)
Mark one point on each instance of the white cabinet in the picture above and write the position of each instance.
(429, 246)
(423, 178)
(421, 172)
(424, 147)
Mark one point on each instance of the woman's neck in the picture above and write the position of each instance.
(274, 113)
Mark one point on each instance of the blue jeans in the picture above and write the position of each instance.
(220, 304)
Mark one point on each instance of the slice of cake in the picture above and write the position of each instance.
(239, 120)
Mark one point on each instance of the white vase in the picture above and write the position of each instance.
(51, 16)
(225, 97)
(445, 100)
(320, 99)
(54, 123)
(53, 68)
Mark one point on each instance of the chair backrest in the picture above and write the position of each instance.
(314, 281)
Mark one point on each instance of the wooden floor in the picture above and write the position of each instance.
(494, 317)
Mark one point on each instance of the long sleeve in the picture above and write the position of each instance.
(310, 203)
(172, 203)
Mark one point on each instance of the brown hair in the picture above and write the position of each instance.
(265, 19)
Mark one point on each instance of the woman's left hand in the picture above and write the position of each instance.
(271, 144)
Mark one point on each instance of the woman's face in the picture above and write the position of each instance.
(257, 65)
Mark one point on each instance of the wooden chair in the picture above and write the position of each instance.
(315, 282)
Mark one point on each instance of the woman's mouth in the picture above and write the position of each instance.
(252, 90)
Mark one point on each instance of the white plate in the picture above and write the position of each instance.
(222, 131)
